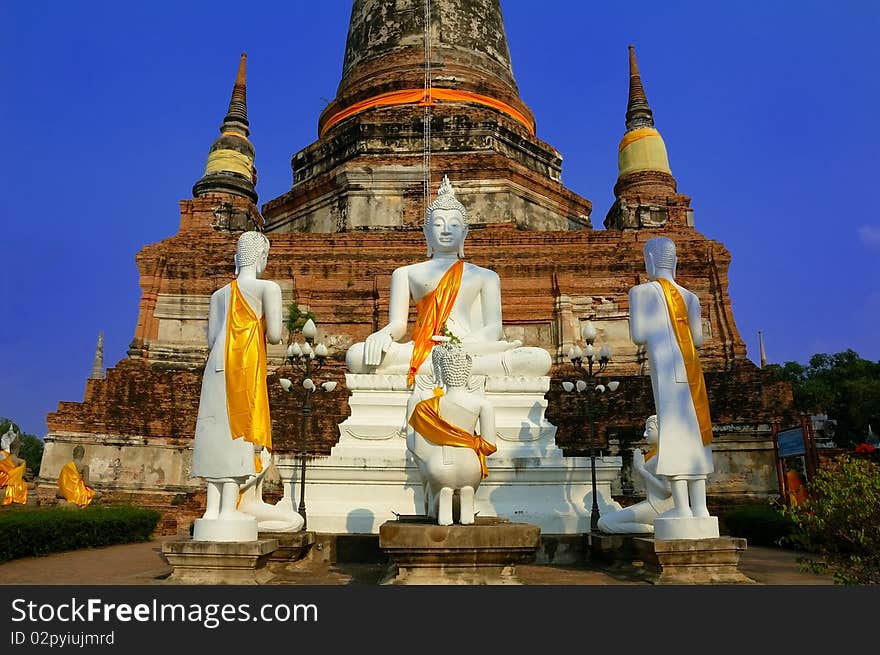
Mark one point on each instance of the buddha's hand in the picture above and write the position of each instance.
(638, 460)
(375, 346)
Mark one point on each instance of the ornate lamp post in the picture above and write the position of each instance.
(305, 361)
(587, 385)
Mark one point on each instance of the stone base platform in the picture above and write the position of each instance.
(485, 553)
(219, 562)
(671, 562)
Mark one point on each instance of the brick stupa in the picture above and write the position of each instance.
(354, 213)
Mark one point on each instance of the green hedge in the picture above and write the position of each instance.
(27, 533)
(759, 524)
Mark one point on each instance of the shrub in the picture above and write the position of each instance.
(27, 533)
(760, 525)
(840, 525)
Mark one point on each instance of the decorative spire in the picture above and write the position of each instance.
(761, 348)
(645, 186)
(638, 113)
(98, 364)
(236, 115)
(230, 168)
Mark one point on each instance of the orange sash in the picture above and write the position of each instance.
(426, 420)
(679, 317)
(247, 397)
(433, 310)
(423, 97)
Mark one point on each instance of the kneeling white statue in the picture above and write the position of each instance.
(443, 437)
(639, 517)
(280, 517)
(448, 292)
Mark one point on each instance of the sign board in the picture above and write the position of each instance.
(791, 442)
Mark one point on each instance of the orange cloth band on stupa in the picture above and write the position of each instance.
(12, 477)
(73, 488)
(420, 97)
(433, 310)
(247, 397)
(679, 317)
(426, 420)
(636, 135)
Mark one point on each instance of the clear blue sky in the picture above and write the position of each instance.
(768, 110)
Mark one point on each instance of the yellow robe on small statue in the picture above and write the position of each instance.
(12, 480)
(73, 487)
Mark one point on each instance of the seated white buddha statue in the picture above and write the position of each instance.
(448, 292)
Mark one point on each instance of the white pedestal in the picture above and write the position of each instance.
(225, 529)
(370, 476)
(667, 529)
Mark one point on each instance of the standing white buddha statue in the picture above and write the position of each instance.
(234, 404)
(665, 318)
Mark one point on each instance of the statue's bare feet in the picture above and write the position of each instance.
(701, 512)
(677, 513)
(234, 515)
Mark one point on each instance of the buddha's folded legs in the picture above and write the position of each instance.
(489, 359)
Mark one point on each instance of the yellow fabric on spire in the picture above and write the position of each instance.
(426, 420)
(231, 161)
(247, 397)
(72, 487)
(433, 310)
(678, 315)
(642, 149)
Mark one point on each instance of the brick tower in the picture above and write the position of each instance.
(437, 73)
(353, 215)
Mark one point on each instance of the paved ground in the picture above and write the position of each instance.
(141, 564)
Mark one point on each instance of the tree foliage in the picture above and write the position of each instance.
(844, 386)
(840, 524)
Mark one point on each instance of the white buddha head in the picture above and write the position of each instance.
(252, 250)
(652, 430)
(445, 222)
(660, 256)
(8, 438)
